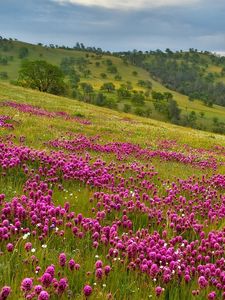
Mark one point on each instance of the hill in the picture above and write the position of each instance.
(98, 68)
(120, 207)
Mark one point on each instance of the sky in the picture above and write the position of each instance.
(117, 25)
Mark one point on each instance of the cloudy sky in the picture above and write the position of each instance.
(117, 24)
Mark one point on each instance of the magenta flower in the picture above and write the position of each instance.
(98, 264)
(38, 289)
(43, 295)
(28, 246)
(99, 273)
(9, 247)
(107, 269)
(27, 284)
(72, 264)
(46, 279)
(87, 290)
(202, 282)
(4, 293)
(62, 285)
(212, 296)
(62, 259)
(158, 291)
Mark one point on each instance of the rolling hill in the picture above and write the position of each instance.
(91, 66)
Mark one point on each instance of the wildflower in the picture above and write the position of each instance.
(43, 295)
(212, 296)
(26, 284)
(62, 285)
(72, 264)
(28, 246)
(9, 247)
(107, 269)
(98, 264)
(99, 273)
(202, 282)
(38, 289)
(4, 293)
(158, 291)
(46, 279)
(62, 259)
(87, 290)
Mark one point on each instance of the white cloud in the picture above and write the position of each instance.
(129, 4)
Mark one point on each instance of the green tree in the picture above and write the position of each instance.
(42, 76)
(100, 99)
(86, 87)
(112, 69)
(108, 86)
(23, 52)
(103, 75)
(138, 98)
(173, 111)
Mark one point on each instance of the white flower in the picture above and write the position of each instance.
(44, 246)
(104, 285)
(33, 250)
(96, 256)
(25, 236)
(94, 283)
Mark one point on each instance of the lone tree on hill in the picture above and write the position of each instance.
(108, 86)
(42, 76)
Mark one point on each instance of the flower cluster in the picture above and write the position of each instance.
(162, 229)
(34, 110)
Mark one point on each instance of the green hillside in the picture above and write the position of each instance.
(91, 68)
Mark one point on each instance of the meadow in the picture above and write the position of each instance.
(96, 65)
(99, 204)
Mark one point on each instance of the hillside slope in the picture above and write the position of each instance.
(100, 204)
(91, 72)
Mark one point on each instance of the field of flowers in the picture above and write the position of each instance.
(96, 204)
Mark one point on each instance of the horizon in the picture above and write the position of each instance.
(220, 53)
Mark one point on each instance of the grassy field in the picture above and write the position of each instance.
(55, 56)
(149, 176)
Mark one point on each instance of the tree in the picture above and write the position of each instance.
(42, 76)
(100, 99)
(173, 111)
(86, 87)
(103, 75)
(138, 98)
(108, 86)
(112, 69)
(3, 75)
(123, 93)
(23, 52)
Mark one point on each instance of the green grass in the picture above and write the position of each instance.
(55, 56)
(111, 126)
